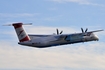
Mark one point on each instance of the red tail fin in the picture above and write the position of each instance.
(22, 36)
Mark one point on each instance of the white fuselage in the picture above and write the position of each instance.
(54, 40)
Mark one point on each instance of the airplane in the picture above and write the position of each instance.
(44, 41)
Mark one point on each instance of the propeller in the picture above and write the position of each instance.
(58, 32)
(84, 32)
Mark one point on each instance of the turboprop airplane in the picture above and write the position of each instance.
(43, 41)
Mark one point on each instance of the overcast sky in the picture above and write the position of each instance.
(46, 16)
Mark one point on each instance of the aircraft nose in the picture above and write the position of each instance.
(96, 37)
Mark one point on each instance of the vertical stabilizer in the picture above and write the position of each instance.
(22, 36)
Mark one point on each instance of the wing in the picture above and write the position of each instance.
(89, 33)
(95, 31)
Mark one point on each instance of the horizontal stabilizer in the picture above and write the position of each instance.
(16, 23)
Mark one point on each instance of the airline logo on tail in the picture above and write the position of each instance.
(22, 36)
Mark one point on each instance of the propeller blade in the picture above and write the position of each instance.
(82, 30)
(57, 32)
(61, 32)
(86, 30)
